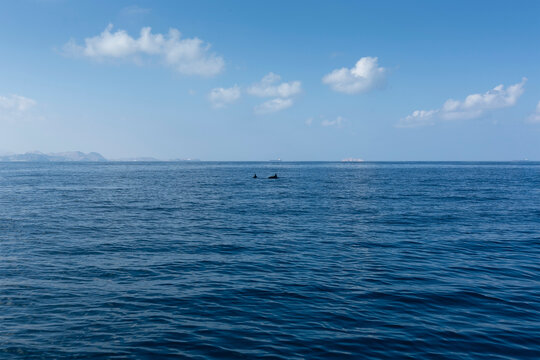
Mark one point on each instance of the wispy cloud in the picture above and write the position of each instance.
(219, 97)
(535, 117)
(190, 56)
(134, 10)
(474, 106)
(270, 86)
(16, 103)
(12, 107)
(336, 122)
(273, 105)
(365, 76)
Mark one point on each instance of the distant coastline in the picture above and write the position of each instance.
(76, 156)
(79, 156)
(37, 156)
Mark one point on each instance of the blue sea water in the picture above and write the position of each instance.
(332, 260)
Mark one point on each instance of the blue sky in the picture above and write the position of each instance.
(253, 80)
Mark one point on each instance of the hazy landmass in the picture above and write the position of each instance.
(37, 156)
(74, 156)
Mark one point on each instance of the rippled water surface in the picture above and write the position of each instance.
(332, 260)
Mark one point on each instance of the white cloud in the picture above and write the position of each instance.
(474, 106)
(188, 56)
(419, 118)
(267, 87)
(220, 97)
(270, 86)
(337, 122)
(535, 117)
(365, 76)
(309, 121)
(15, 107)
(273, 105)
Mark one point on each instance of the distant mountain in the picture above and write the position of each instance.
(37, 156)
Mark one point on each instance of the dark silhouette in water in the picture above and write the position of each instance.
(273, 176)
(255, 176)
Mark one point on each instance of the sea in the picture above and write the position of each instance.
(332, 260)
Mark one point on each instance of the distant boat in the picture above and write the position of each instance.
(352, 160)
(276, 160)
